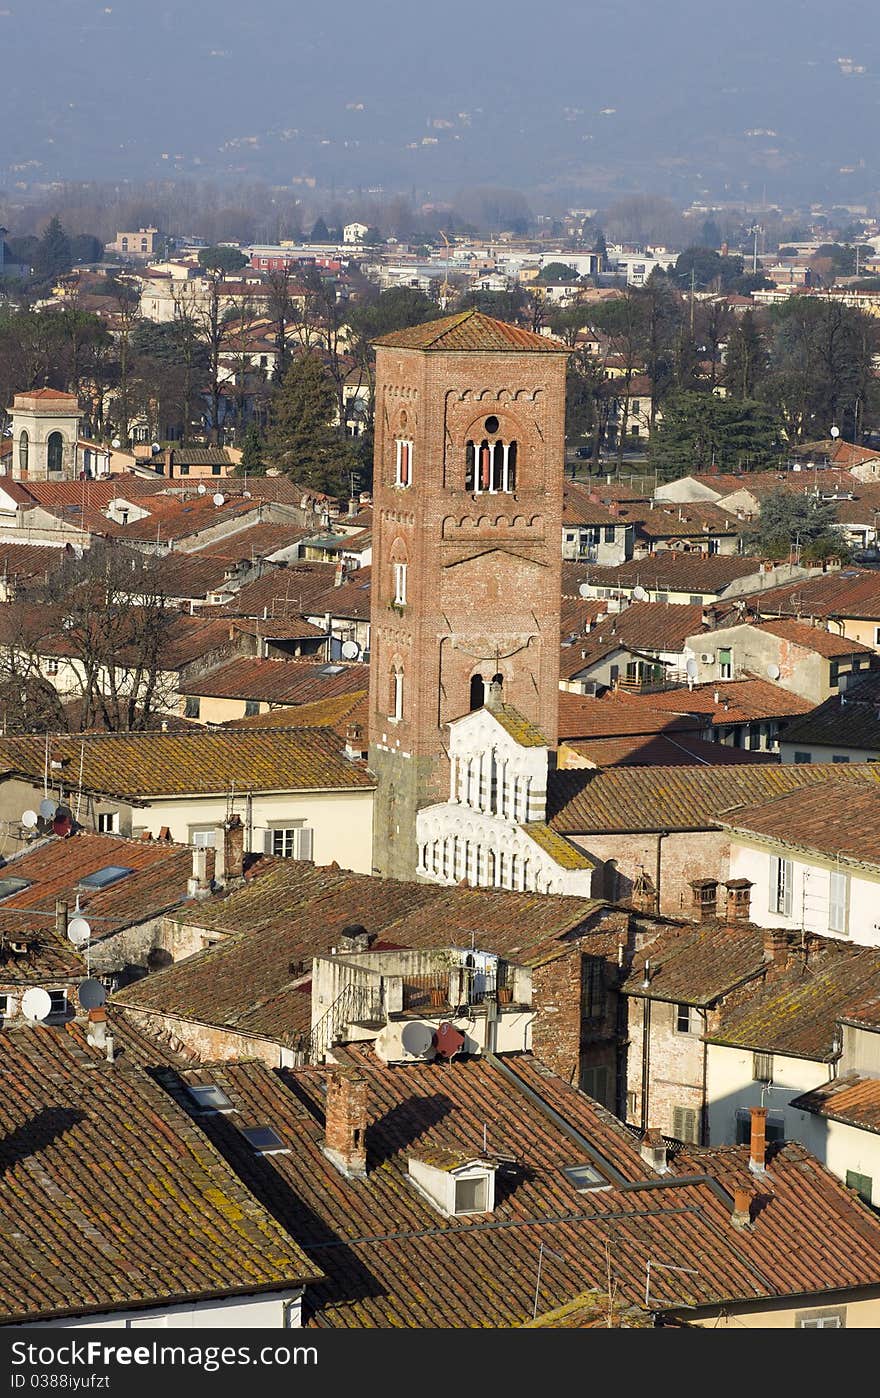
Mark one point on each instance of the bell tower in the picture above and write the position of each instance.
(467, 520)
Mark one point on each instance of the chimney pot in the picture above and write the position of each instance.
(705, 899)
(741, 1216)
(653, 1151)
(776, 947)
(738, 900)
(345, 1115)
(758, 1140)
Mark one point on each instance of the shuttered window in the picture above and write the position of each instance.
(781, 871)
(684, 1124)
(838, 901)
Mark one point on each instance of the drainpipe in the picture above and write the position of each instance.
(704, 1134)
(660, 837)
(646, 1060)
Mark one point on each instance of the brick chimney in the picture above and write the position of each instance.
(653, 1151)
(705, 899)
(741, 1216)
(354, 741)
(758, 1140)
(97, 1034)
(739, 894)
(229, 856)
(346, 1122)
(339, 575)
(776, 948)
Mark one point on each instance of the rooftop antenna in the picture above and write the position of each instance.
(541, 1252)
(661, 1267)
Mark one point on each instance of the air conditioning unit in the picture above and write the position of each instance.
(707, 657)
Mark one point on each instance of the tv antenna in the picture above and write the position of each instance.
(661, 1267)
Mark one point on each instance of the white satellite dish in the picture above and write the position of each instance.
(691, 668)
(36, 1004)
(350, 650)
(48, 807)
(29, 819)
(639, 594)
(219, 499)
(245, 495)
(77, 551)
(203, 489)
(773, 671)
(585, 589)
(154, 447)
(835, 431)
(78, 931)
(116, 444)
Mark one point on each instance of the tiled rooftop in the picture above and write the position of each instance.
(797, 1012)
(833, 820)
(165, 764)
(470, 330)
(377, 1240)
(622, 799)
(112, 1199)
(279, 681)
(850, 1099)
(664, 750)
(696, 964)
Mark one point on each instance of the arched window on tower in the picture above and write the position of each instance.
(395, 707)
(55, 451)
(490, 462)
(403, 462)
(23, 446)
(478, 692)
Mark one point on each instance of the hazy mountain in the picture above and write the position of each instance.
(678, 99)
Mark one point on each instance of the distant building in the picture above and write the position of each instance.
(45, 430)
(142, 244)
(354, 232)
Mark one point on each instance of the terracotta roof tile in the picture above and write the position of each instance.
(635, 799)
(816, 638)
(697, 964)
(117, 1202)
(663, 750)
(850, 1099)
(140, 765)
(279, 681)
(834, 820)
(470, 330)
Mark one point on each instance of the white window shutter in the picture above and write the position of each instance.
(267, 841)
(787, 892)
(304, 843)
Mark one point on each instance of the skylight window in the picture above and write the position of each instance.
(10, 886)
(209, 1097)
(264, 1140)
(331, 669)
(102, 878)
(585, 1177)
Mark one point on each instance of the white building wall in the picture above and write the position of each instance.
(810, 893)
(277, 1310)
(731, 1086)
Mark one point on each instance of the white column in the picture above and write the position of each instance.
(505, 478)
(452, 777)
(491, 450)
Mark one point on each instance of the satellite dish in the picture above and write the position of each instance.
(77, 551)
(29, 819)
(91, 994)
(417, 1039)
(78, 931)
(36, 1004)
(640, 594)
(116, 444)
(245, 495)
(835, 431)
(203, 489)
(47, 808)
(154, 447)
(63, 822)
(773, 671)
(691, 668)
(350, 650)
(585, 589)
(219, 499)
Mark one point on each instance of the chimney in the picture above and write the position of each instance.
(493, 695)
(345, 1115)
(97, 1034)
(705, 899)
(353, 506)
(230, 855)
(199, 885)
(738, 900)
(354, 743)
(653, 1151)
(741, 1216)
(758, 1140)
(353, 937)
(339, 575)
(776, 948)
(61, 917)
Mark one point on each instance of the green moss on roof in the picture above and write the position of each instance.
(566, 855)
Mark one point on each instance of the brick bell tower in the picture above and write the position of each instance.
(467, 521)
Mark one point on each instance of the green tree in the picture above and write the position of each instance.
(557, 272)
(395, 309)
(85, 247)
(699, 430)
(799, 524)
(821, 372)
(706, 270)
(53, 254)
(222, 260)
(746, 359)
(320, 232)
(252, 463)
(303, 437)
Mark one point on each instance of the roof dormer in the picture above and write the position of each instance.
(454, 1182)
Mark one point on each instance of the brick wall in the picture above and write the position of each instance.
(683, 856)
(483, 571)
(675, 1065)
(346, 1120)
